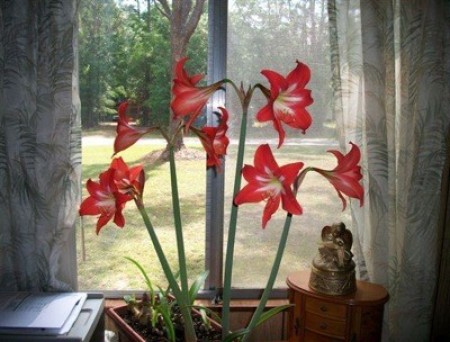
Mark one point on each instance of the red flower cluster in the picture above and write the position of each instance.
(287, 102)
(117, 185)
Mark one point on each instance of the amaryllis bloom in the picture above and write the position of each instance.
(187, 98)
(346, 175)
(287, 100)
(267, 181)
(128, 180)
(216, 142)
(105, 200)
(207, 135)
(221, 140)
(127, 135)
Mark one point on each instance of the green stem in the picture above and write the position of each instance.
(178, 224)
(273, 275)
(182, 301)
(232, 230)
(180, 246)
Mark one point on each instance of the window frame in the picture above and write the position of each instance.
(214, 221)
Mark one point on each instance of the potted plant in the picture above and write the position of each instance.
(287, 99)
(156, 316)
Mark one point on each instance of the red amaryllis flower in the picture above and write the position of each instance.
(214, 140)
(104, 200)
(187, 99)
(220, 141)
(267, 181)
(128, 180)
(207, 136)
(346, 175)
(287, 101)
(127, 135)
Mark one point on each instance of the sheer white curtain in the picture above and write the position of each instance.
(40, 143)
(392, 96)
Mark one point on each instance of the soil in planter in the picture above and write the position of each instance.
(157, 334)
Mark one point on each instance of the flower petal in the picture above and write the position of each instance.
(272, 205)
(263, 159)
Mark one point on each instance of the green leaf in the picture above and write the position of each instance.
(209, 312)
(196, 286)
(165, 310)
(129, 299)
(204, 316)
(272, 312)
(237, 335)
(147, 279)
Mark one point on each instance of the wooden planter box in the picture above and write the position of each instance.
(126, 333)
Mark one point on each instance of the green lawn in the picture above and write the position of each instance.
(101, 263)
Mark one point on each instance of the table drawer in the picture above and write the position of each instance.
(324, 325)
(319, 307)
(313, 337)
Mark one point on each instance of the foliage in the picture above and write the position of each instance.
(97, 47)
(125, 53)
(157, 313)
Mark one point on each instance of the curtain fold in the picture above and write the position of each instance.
(392, 88)
(40, 144)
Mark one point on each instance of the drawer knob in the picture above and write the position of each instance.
(323, 326)
(323, 308)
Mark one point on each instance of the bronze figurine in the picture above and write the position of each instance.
(333, 270)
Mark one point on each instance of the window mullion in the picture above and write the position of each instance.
(217, 53)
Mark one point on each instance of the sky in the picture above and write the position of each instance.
(143, 3)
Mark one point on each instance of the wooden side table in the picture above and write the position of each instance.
(318, 317)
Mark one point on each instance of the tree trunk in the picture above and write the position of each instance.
(178, 46)
(184, 16)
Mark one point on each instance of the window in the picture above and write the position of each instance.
(273, 35)
(118, 60)
(260, 35)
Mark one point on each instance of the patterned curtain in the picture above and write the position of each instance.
(391, 68)
(40, 144)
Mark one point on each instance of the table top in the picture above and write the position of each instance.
(366, 293)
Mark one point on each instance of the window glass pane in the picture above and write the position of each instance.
(125, 54)
(273, 34)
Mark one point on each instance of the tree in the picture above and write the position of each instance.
(183, 16)
(96, 55)
(127, 52)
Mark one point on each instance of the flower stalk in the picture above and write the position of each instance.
(178, 223)
(229, 256)
(181, 299)
(272, 277)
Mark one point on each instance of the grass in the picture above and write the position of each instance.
(101, 258)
